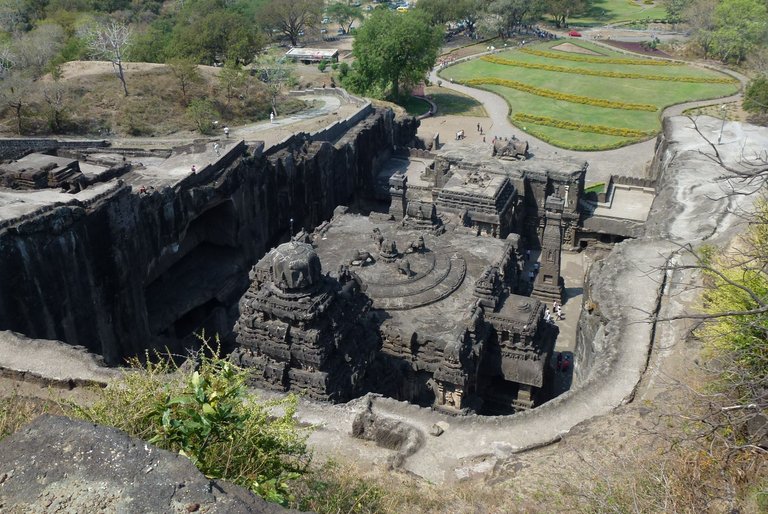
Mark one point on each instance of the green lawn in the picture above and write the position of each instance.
(452, 103)
(415, 106)
(603, 12)
(660, 93)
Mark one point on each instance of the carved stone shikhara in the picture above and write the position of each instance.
(302, 330)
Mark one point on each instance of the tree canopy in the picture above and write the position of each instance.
(290, 17)
(393, 49)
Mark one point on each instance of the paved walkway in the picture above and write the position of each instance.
(630, 160)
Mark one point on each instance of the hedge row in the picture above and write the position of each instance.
(609, 74)
(549, 93)
(580, 147)
(601, 60)
(582, 127)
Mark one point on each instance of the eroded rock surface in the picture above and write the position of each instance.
(56, 464)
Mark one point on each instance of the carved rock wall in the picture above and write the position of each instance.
(132, 272)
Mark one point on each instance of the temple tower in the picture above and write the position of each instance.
(549, 284)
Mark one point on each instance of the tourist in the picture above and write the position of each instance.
(559, 313)
(478, 127)
(271, 117)
(194, 169)
(527, 252)
(226, 132)
(547, 315)
(217, 148)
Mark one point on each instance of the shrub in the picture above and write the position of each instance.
(566, 97)
(609, 74)
(756, 95)
(206, 415)
(582, 127)
(322, 65)
(599, 60)
(202, 113)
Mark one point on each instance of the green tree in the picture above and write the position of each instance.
(393, 49)
(700, 17)
(561, 10)
(676, 8)
(739, 26)
(187, 74)
(153, 43)
(290, 17)
(345, 15)
(508, 15)
(209, 33)
(232, 78)
(756, 95)
(202, 113)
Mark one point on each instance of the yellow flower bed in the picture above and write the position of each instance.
(600, 60)
(549, 93)
(609, 74)
(582, 127)
(578, 146)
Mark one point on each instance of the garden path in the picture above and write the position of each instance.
(631, 160)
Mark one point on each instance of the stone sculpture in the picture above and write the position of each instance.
(510, 149)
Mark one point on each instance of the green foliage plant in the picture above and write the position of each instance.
(202, 113)
(206, 414)
(756, 95)
(322, 65)
(393, 49)
(563, 56)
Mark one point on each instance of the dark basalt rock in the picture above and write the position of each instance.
(56, 464)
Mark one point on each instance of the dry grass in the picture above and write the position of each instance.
(95, 105)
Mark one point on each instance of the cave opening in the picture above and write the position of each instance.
(197, 282)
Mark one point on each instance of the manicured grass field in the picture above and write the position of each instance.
(603, 12)
(571, 81)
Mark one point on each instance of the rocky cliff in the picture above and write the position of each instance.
(131, 271)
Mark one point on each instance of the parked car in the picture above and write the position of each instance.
(574, 33)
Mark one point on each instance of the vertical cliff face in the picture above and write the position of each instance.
(132, 272)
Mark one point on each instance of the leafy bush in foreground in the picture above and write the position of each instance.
(207, 415)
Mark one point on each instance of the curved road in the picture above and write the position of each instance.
(630, 160)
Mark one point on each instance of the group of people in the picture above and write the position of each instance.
(558, 313)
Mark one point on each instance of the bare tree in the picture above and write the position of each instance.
(7, 61)
(15, 94)
(291, 17)
(110, 41)
(275, 74)
(34, 50)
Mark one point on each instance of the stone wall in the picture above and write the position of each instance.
(14, 148)
(130, 272)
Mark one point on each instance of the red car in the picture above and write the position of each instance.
(574, 33)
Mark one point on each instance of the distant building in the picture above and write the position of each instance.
(310, 55)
